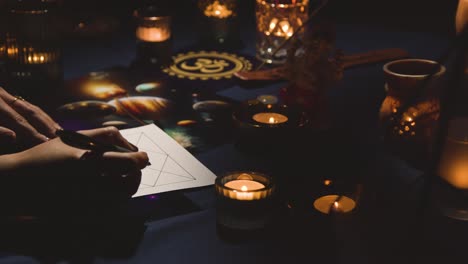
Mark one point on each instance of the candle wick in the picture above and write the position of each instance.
(334, 205)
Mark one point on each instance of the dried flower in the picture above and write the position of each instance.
(313, 63)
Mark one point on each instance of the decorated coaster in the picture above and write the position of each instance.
(205, 65)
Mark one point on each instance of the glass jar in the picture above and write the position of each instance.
(277, 21)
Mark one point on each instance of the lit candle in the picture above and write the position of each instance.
(39, 57)
(217, 10)
(244, 200)
(280, 28)
(334, 202)
(407, 125)
(153, 34)
(453, 165)
(244, 186)
(270, 118)
(243, 189)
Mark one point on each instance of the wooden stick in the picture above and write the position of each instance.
(349, 61)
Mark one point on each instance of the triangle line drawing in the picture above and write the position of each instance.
(154, 143)
(153, 182)
(130, 138)
(190, 178)
(142, 134)
(169, 171)
(184, 170)
(172, 166)
(173, 182)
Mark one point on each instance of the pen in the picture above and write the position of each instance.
(82, 141)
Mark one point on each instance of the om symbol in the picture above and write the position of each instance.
(206, 65)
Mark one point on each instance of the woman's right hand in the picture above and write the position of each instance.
(56, 169)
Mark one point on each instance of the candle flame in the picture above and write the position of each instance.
(271, 120)
(216, 9)
(285, 26)
(244, 188)
(273, 23)
(335, 204)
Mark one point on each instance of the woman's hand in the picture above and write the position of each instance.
(54, 170)
(22, 122)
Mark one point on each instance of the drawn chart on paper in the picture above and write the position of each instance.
(172, 167)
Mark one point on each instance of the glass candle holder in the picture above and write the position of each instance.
(244, 202)
(267, 126)
(277, 21)
(33, 48)
(154, 36)
(452, 192)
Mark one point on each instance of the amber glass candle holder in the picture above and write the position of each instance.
(245, 203)
(277, 21)
(264, 126)
(154, 35)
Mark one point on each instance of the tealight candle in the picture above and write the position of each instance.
(153, 24)
(153, 34)
(270, 118)
(243, 189)
(335, 203)
(244, 200)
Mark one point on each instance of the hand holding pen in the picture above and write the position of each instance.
(82, 141)
(117, 159)
(54, 172)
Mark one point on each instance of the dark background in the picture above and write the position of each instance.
(425, 15)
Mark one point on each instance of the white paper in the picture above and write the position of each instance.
(172, 167)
